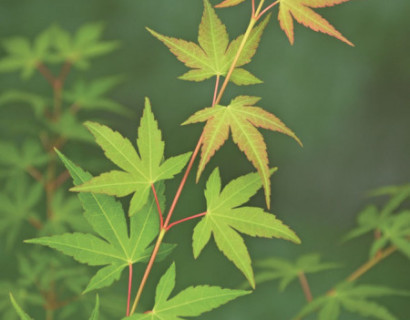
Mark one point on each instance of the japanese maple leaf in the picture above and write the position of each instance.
(241, 118)
(139, 170)
(214, 54)
(225, 218)
(302, 12)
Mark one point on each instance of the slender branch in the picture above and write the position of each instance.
(161, 219)
(186, 219)
(267, 9)
(253, 8)
(35, 173)
(65, 70)
(371, 263)
(248, 31)
(305, 286)
(129, 288)
(61, 179)
(148, 270)
(192, 160)
(35, 223)
(46, 73)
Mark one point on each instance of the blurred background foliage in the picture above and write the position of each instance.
(349, 106)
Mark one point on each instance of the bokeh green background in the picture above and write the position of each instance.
(350, 107)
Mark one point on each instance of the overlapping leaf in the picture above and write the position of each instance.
(393, 227)
(214, 54)
(113, 249)
(140, 171)
(240, 117)
(91, 96)
(354, 299)
(287, 271)
(191, 302)
(301, 11)
(224, 218)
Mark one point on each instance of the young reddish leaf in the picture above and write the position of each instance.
(214, 55)
(242, 118)
(302, 12)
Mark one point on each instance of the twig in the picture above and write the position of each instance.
(305, 286)
(186, 219)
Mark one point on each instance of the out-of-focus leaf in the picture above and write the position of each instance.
(287, 271)
(69, 127)
(20, 312)
(37, 102)
(91, 96)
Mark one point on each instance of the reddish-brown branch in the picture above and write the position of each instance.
(305, 286)
(46, 73)
(186, 219)
(266, 9)
(253, 8)
(35, 223)
(61, 179)
(161, 220)
(36, 174)
(65, 70)
(129, 288)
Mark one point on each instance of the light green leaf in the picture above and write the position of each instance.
(223, 217)
(191, 302)
(141, 172)
(330, 311)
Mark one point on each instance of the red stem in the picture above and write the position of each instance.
(186, 219)
(129, 288)
(253, 8)
(46, 73)
(266, 9)
(158, 206)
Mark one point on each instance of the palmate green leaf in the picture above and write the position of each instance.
(214, 54)
(288, 271)
(191, 302)
(91, 96)
(242, 118)
(224, 218)
(20, 312)
(84, 45)
(115, 250)
(354, 299)
(16, 97)
(140, 171)
(25, 56)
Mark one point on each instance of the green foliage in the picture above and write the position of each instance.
(223, 217)
(287, 271)
(21, 313)
(353, 298)
(191, 302)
